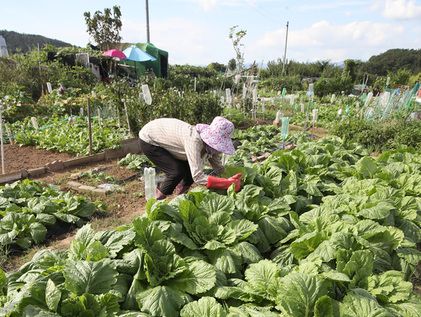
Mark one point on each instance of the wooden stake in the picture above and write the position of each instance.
(1, 138)
(127, 117)
(89, 127)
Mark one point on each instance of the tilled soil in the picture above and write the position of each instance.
(123, 203)
(26, 157)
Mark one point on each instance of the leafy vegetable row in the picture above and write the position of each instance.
(28, 209)
(69, 134)
(257, 141)
(323, 230)
(135, 161)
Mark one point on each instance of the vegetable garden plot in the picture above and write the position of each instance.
(326, 118)
(27, 157)
(323, 230)
(70, 134)
(259, 140)
(30, 209)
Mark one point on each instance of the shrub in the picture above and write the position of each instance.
(291, 83)
(337, 85)
(379, 136)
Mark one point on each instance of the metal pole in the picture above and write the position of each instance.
(285, 52)
(1, 138)
(39, 69)
(148, 37)
(89, 127)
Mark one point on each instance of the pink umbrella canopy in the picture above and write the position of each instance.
(115, 53)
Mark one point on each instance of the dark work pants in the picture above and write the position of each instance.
(175, 170)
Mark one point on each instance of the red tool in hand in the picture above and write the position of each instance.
(224, 183)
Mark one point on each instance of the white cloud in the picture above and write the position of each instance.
(186, 42)
(209, 5)
(330, 5)
(398, 9)
(325, 40)
(198, 43)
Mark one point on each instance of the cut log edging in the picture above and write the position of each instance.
(126, 146)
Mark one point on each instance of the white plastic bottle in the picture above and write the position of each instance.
(146, 181)
(150, 184)
(153, 180)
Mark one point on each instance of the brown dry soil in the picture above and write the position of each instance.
(319, 132)
(26, 157)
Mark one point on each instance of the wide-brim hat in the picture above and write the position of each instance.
(218, 135)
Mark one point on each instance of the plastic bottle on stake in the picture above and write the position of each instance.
(368, 99)
(310, 91)
(228, 97)
(284, 128)
(146, 94)
(315, 114)
(150, 183)
(292, 100)
(347, 110)
(284, 92)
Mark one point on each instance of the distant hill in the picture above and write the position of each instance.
(19, 42)
(393, 60)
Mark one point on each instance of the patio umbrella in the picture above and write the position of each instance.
(115, 53)
(134, 53)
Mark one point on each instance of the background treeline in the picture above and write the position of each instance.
(403, 66)
(18, 42)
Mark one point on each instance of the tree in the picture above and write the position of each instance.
(350, 69)
(232, 64)
(379, 84)
(254, 69)
(414, 79)
(236, 37)
(401, 77)
(104, 27)
(221, 68)
(322, 65)
(393, 60)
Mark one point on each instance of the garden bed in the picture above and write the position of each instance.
(122, 206)
(28, 157)
(56, 164)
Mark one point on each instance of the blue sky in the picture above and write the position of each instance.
(196, 31)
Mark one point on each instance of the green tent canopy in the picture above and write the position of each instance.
(159, 67)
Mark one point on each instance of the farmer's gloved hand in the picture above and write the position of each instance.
(237, 181)
(224, 183)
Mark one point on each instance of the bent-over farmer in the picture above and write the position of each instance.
(180, 149)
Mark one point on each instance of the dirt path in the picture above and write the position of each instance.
(319, 132)
(125, 203)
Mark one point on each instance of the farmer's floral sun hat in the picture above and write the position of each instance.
(218, 134)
